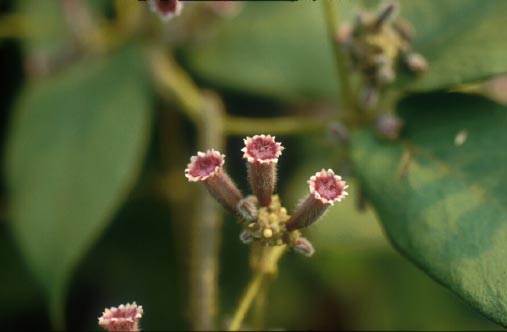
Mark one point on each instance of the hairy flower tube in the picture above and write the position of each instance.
(166, 9)
(326, 188)
(123, 318)
(207, 167)
(261, 153)
(262, 215)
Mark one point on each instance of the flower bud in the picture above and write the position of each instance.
(246, 237)
(404, 29)
(389, 126)
(208, 169)
(124, 318)
(166, 9)
(247, 208)
(385, 74)
(416, 63)
(368, 97)
(304, 247)
(326, 188)
(344, 34)
(338, 132)
(386, 14)
(261, 153)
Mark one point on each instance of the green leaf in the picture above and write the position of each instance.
(282, 49)
(444, 204)
(461, 40)
(75, 149)
(278, 49)
(46, 25)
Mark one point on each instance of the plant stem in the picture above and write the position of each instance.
(205, 235)
(259, 308)
(169, 77)
(343, 74)
(263, 274)
(247, 299)
(174, 84)
(275, 126)
(205, 109)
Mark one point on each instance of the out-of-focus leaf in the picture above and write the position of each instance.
(461, 40)
(441, 193)
(20, 295)
(282, 49)
(355, 273)
(138, 261)
(276, 49)
(75, 148)
(46, 25)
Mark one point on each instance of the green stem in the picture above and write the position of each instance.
(262, 275)
(173, 84)
(246, 300)
(276, 126)
(259, 309)
(205, 109)
(206, 226)
(343, 74)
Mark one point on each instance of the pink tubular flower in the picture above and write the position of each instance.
(166, 9)
(326, 188)
(207, 167)
(261, 153)
(124, 318)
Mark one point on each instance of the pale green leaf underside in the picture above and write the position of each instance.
(444, 205)
(75, 148)
(282, 49)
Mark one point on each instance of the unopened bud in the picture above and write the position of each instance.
(304, 247)
(261, 153)
(386, 14)
(246, 237)
(389, 126)
(368, 98)
(344, 34)
(326, 188)
(338, 132)
(416, 63)
(385, 74)
(404, 29)
(247, 208)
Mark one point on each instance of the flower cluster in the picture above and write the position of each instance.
(374, 43)
(262, 215)
(122, 318)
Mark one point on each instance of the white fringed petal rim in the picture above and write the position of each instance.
(327, 187)
(124, 316)
(204, 165)
(262, 149)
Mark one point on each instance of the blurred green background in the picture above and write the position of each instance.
(139, 250)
